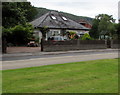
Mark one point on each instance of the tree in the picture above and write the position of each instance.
(12, 15)
(106, 25)
(44, 30)
(94, 33)
(7, 34)
(30, 11)
(117, 33)
(103, 24)
(18, 35)
(15, 13)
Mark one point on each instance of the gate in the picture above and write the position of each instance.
(108, 43)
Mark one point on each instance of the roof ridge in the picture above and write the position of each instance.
(59, 22)
(45, 18)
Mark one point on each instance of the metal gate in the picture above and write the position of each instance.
(108, 43)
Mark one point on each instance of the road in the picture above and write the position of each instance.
(40, 60)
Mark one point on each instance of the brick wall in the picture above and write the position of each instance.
(115, 44)
(73, 45)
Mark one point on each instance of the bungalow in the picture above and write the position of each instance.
(57, 25)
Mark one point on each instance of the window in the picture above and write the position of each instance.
(64, 18)
(53, 17)
(54, 32)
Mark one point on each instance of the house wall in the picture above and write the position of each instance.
(84, 23)
(73, 45)
(38, 34)
(79, 32)
(60, 32)
(88, 26)
(53, 32)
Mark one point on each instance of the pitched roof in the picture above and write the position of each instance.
(54, 19)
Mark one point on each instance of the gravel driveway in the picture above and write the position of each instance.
(23, 49)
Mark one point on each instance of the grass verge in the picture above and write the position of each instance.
(99, 76)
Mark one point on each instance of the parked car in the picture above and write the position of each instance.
(32, 44)
(56, 38)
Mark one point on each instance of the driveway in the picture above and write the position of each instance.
(23, 49)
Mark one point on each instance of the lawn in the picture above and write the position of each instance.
(99, 76)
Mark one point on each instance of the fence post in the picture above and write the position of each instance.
(42, 44)
(106, 43)
(111, 43)
(4, 46)
(78, 44)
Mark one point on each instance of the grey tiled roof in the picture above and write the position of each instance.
(59, 22)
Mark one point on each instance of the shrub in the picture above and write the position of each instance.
(7, 34)
(72, 35)
(86, 36)
(21, 34)
(18, 35)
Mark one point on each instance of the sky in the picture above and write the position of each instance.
(89, 8)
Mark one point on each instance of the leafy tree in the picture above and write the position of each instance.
(15, 13)
(94, 33)
(103, 25)
(12, 15)
(18, 35)
(30, 11)
(117, 33)
(44, 30)
(22, 34)
(106, 24)
(7, 34)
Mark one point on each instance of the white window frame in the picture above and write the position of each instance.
(56, 32)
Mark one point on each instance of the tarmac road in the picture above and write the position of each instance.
(40, 60)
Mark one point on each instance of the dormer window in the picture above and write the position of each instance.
(53, 17)
(64, 18)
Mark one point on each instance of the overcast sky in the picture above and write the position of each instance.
(89, 8)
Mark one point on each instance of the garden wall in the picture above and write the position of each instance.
(73, 45)
(23, 49)
(115, 44)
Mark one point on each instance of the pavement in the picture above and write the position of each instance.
(55, 53)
